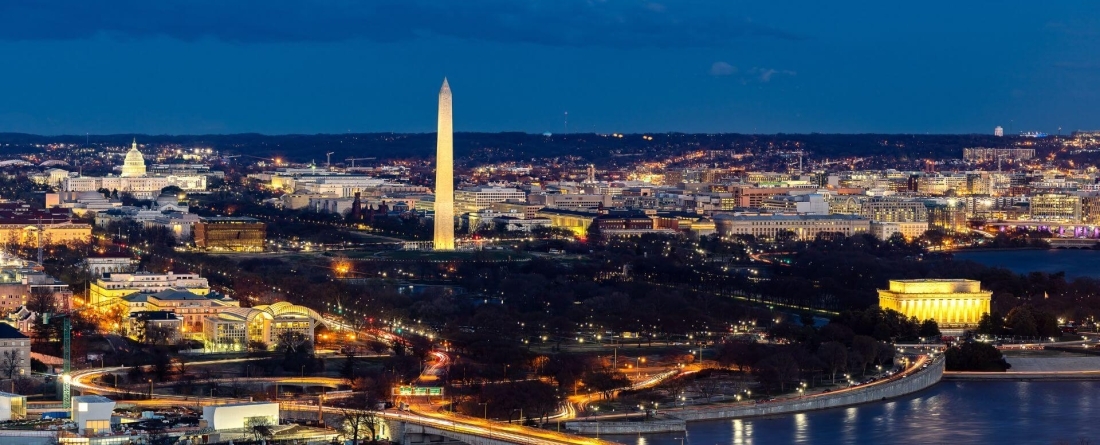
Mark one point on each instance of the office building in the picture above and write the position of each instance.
(478, 198)
(805, 227)
(235, 234)
(1056, 207)
(15, 353)
(108, 290)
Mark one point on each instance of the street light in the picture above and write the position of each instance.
(486, 405)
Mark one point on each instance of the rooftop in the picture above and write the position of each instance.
(228, 219)
(8, 332)
(937, 280)
(92, 399)
(734, 217)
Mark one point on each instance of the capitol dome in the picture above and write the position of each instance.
(134, 165)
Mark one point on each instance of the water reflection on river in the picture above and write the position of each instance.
(949, 413)
(1074, 262)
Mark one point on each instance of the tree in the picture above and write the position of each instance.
(42, 301)
(158, 436)
(866, 349)
(991, 324)
(259, 426)
(361, 419)
(297, 352)
(162, 364)
(10, 363)
(1022, 322)
(930, 329)
(154, 333)
(975, 356)
(257, 346)
(607, 381)
(290, 341)
(707, 386)
(737, 353)
(114, 318)
(26, 386)
(347, 370)
(777, 370)
(835, 357)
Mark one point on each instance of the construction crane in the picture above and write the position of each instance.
(358, 159)
(67, 362)
(328, 160)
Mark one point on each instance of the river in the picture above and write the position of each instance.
(948, 413)
(1074, 262)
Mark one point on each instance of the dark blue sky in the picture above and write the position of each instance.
(311, 66)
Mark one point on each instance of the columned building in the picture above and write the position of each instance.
(134, 165)
(951, 303)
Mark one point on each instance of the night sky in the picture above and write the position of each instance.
(308, 66)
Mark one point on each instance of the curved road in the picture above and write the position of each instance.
(512, 433)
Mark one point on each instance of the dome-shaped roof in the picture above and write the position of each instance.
(134, 165)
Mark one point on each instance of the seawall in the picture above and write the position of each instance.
(1024, 376)
(653, 426)
(873, 393)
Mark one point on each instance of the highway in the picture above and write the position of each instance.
(512, 433)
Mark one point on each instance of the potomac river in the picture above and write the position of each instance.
(1074, 262)
(951, 412)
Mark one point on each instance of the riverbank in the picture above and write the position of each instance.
(916, 379)
(907, 384)
(993, 249)
(950, 412)
(1053, 376)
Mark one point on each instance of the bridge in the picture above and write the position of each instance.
(1060, 230)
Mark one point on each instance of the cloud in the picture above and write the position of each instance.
(573, 23)
(720, 69)
(766, 74)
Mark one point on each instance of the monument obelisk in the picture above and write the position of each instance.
(444, 238)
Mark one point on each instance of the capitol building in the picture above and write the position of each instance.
(134, 180)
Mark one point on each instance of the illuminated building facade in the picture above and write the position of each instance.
(1056, 207)
(894, 210)
(949, 215)
(134, 179)
(233, 328)
(478, 198)
(909, 230)
(804, 227)
(575, 221)
(109, 290)
(951, 303)
(237, 234)
(134, 165)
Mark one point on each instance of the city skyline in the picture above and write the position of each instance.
(646, 67)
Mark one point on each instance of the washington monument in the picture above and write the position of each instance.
(444, 175)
